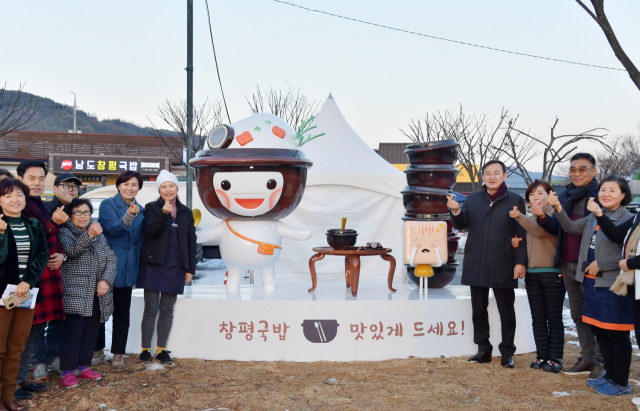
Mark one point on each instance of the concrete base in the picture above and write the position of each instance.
(329, 324)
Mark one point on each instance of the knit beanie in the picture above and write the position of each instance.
(165, 176)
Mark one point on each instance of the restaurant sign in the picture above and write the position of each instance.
(107, 164)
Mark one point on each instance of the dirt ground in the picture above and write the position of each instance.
(404, 384)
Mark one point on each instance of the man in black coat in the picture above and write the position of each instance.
(490, 261)
(574, 201)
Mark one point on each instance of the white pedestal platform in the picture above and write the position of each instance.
(328, 324)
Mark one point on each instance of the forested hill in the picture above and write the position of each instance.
(57, 117)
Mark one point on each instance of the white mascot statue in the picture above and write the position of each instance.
(252, 175)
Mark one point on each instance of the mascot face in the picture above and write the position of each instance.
(250, 193)
(253, 169)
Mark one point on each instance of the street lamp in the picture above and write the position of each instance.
(75, 131)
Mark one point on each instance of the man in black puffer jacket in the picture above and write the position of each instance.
(490, 261)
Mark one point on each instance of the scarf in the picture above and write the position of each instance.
(626, 278)
(501, 190)
(575, 194)
(174, 208)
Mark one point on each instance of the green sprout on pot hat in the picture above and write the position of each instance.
(300, 139)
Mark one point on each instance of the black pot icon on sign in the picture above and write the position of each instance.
(320, 331)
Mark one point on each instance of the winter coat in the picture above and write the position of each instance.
(608, 253)
(50, 304)
(157, 235)
(38, 256)
(54, 204)
(541, 245)
(489, 256)
(125, 241)
(552, 225)
(89, 260)
(620, 234)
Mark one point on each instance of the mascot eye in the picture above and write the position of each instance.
(226, 185)
(271, 184)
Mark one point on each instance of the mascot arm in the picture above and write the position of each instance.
(210, 233)
(290, 232)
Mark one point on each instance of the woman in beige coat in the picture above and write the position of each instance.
(545, 287)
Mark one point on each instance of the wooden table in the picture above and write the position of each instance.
(351, 264)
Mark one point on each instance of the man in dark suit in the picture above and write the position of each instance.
(490, 261)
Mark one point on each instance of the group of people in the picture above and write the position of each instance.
(84, 272)
(582, 243)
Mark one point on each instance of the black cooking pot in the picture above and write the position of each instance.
(433, 176)
(442, 277)
(434, 152)
(421, 200)
(341, 239)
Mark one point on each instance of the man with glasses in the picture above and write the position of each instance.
(65, 189)
(489, 259)
(574, 201)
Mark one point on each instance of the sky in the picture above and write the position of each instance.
(124, 58)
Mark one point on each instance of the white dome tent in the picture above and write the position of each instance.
(348, 179)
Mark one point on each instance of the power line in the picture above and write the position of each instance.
(216, 60)
(449, 40)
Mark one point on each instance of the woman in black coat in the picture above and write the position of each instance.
(168, 262)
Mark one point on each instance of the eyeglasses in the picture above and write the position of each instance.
(84, 213)
(580, 170)
(71, 187)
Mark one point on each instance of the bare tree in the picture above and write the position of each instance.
(600, 17)
(521, 147)
(291, 106)
(477, 140)
(16, 114)
(620, 158)
(206, 117)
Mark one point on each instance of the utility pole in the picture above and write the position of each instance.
(75, 129)
(189, 100)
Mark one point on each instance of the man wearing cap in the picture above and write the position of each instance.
(65, 189)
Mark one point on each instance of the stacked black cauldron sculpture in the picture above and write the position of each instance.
(431, 176)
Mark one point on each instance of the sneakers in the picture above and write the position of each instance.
(98, 358)
(69, 381)
(538, 364)
(89, 374)
(597, 372)
(54, 366)
(553, 366)
(118, 361)
(598, 382)
(32, 386)
(22, 394)
(612, 389)
(40, 372)
(164, 358)
(580, 367)
(145, 356)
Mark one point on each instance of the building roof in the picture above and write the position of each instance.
(22, 145)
